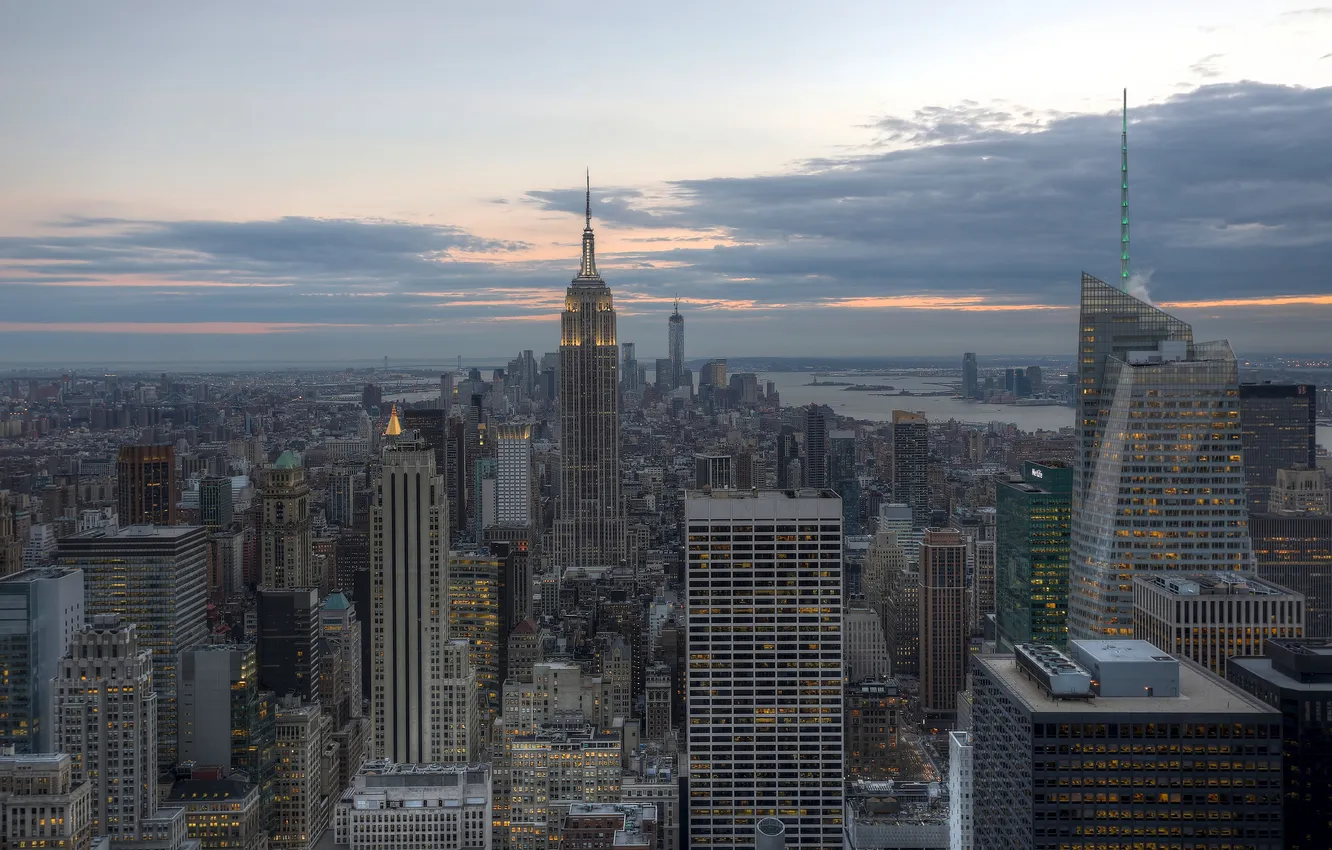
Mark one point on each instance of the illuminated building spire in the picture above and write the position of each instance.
(1123, 199)
(394, 426)
(587, 272)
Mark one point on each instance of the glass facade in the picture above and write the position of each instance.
(1296, 552)
(1034, 516)
(1279, 432)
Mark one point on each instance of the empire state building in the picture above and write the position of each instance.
(589, 526)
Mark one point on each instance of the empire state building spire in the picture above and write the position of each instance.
(588, 271)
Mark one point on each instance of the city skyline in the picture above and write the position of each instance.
(305, 239)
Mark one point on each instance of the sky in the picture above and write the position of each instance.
(342, 181)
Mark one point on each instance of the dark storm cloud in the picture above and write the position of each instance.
(1231, 193)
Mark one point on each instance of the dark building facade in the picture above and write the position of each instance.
(1279, 431)
(1296, 552)
(146, 485)
(816, 447)
(911, 456)
(215, 506)
(1295, 678)
(970, 378)
(1033, 517)
(1056, 770)
(288, 644)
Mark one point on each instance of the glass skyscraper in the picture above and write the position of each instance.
(1160, 474)
(1279, 432)
(1031, 556)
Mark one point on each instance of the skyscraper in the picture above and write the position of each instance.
(676, 350)
(942, 597)
(215, 507)
(765, 697)
(513, 476)
(589, 525)
(1296, 552)
(156, 578)
(409, 600)
(816, 447)
(911, 455)
(629, 368)
(1279, 432)
(286, 542)
(146, 485)
(289, 642)
(1160, 473)
(1031, 556)
(970, 378)
(42, 611)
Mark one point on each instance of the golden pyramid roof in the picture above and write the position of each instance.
(394, 427)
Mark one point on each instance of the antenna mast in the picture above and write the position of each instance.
(1123, 199)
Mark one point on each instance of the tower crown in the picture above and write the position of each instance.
(587, 271)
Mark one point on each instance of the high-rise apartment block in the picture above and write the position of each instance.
(1119, 745)
(911, 455)
(764, 574)
(1033, 518)
(155, 577)
(1279, 427)
(409, 599)
(146, 485)
(1159, 485)
(40, 612)
(1209, 618)
(1294, 677)
(942, 597)
(42, 804)
(589, 520)
(286, 543)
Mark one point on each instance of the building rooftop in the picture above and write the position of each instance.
(1213, 584)
(1200, 691)
(287, 460)
(136, 532)
(722, 494)
(1293, 664)
(209, 790)
(337, 601)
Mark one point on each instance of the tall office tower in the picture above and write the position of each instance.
(1111, 324)
(1178, 722)
(911, 456)
(589, 522)
(675, 324)
(341, 631)
(842, 477)
(341, 496)
(864, 650)
(961, 786)
(409, 598)
(713, 471)
(1295, 552)
(41, 805)
(1279, 427)
(42, 610)
(431, 427)
(765, 701)
(1168, 468)
(629, 368)
(415, 805)
(106, 719)
(11, 548)
(215, 508)
(1210, 618)
(456, 461)
(225, 719)
(1033, 517)
(446, 393)
(515, 493)
(970, 377)
(475, 587)
(942, 594)
(816, 447)
(788, 452)
(662, 375)
(304, 804)
(289, 642)
(156, 578)
(286, 542)
(1294, 677)
(146, 485)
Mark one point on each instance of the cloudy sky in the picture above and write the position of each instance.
(332, 181)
